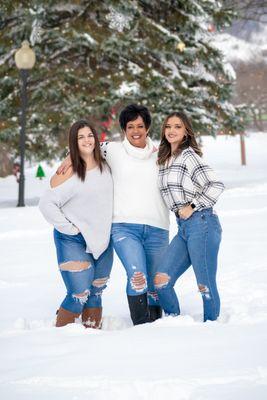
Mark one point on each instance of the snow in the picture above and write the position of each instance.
(229, 71)
(175, 71)
(5, 57)
(163, 30)
(71, 8)
(177, 358)
(235, 49)
(36, 32)
(127, 87)
(134, 68)
(89, 38)
(117, 20)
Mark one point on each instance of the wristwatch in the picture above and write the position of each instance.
(193, 206)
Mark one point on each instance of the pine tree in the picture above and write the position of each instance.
(40, 172)
(95, 57)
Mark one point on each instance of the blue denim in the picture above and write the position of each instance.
(196, 243)
(139, 248)
(73, 248)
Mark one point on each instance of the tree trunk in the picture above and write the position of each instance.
(6, 163)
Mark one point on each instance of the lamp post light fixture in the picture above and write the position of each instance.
(25, 60)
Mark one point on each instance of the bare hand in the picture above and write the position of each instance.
(64, 166)
(186, 212)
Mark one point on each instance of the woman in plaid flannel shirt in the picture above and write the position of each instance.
(190, 189)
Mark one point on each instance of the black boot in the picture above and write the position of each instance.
(155, 312)
(139, 309)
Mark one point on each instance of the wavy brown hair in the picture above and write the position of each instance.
(78, 164)
(165, 152)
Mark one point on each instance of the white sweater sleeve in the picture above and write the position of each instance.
(50, 206)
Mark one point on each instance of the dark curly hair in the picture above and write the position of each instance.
(131, 113)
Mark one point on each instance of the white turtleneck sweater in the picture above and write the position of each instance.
(137, 198)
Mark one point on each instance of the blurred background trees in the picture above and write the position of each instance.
(248, 56)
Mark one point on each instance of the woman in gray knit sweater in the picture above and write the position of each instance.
(79, 205)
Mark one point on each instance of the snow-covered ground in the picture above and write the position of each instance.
(174, 358)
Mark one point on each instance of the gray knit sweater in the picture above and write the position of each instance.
(85, 206)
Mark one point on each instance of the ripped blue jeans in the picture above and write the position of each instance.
(84, 285)
(196, 243)
(139, 248)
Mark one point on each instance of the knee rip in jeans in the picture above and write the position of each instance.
(82, 297)
(75, 266)
(100, 282)
(204, 290)
(138, 282)
(161, 280)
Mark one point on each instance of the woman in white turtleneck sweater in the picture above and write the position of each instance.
(140, 217)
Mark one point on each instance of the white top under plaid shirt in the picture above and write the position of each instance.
(188, 179)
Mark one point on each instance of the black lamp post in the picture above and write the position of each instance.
(25, 60)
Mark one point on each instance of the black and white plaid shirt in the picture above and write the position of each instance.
(188, 179)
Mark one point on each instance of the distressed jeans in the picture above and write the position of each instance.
(139, 248)
(196, 243)
(90, 281)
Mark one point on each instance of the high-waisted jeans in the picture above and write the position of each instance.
(90, 281)
(196, 243)
(139, 248)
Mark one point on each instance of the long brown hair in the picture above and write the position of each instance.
(78, 164)
(165, 152)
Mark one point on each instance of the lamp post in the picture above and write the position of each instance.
(243, 148)
(25, 60)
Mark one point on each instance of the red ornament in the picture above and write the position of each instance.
(103, 137)
(106, 124)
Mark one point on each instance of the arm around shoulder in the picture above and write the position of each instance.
(58, 180)
(64, 166)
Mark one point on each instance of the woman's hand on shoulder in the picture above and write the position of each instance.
(64, 166)
(57, 180)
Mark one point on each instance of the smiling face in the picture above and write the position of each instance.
(174, 131)
(136, 132)
(86, 141)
